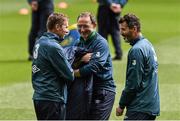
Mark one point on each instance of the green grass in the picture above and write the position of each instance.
(160, 24)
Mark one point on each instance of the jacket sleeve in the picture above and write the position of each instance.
(60, 64)
(134, 76)
(97, 61)
(123, 2)
(29, 1)
(109, 2)
(105, 2)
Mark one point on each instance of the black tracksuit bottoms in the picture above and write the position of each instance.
(102, 104)
(49, 110)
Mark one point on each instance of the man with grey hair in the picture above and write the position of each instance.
(99, 65)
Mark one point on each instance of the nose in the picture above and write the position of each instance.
(66, 32)
(81, 29)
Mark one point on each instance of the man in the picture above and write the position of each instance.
(51, 72)
(141, 93)
(108, 16)
(41, 9)
(99, 65)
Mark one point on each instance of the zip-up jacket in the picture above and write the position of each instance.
(43, 4)
(51, 72)
(100, 64)
(109, 2)
(141, 92)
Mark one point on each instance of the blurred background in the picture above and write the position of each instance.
(160, 20)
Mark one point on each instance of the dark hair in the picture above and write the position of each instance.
(131, 21)
(55, 18)
(86, 14)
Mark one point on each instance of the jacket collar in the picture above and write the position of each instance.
(89, 39)
(136, 40)
(51, 35)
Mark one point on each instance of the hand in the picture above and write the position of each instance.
(77, 73)
(34, 5)
(116, 8)
(86, 58)
(119, 111)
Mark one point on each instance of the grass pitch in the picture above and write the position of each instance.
(160, 24)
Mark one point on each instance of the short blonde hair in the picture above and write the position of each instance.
(55, 18)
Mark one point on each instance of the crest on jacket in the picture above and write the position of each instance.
(98, 54)
(133, 62)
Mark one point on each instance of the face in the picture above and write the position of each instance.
(85, 26)
(126, 32)
(62, 30)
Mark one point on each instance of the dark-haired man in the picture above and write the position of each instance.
(141, 93)
(108, 15)
(41, 9)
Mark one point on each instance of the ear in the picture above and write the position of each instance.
(57, 27)
(94, 25)
(135, 28)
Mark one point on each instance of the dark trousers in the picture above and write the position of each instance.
(38, 22)
(49, 110)
(138, 116)
(108, 23)
(102, 104)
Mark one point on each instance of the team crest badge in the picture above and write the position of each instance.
(133, 62)
(98, 54)
(35, 69)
